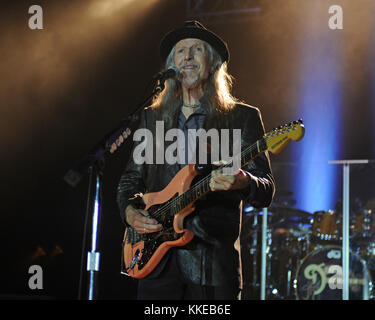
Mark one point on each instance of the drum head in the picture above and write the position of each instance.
(319, 276)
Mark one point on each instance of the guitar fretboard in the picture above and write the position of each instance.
(199, 189)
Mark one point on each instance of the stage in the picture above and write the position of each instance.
(71, 72)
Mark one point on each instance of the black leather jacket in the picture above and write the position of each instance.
(211, 257)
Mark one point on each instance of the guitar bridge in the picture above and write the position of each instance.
(134, 260)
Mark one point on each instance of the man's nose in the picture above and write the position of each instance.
(189, 54)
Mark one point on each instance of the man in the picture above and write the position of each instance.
(208, 267)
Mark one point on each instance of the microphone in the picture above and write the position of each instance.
(171, 72)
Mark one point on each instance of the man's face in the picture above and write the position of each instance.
(191, 57)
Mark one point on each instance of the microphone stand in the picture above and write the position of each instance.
(93, 164)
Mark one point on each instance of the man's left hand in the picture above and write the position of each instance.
(220, 181)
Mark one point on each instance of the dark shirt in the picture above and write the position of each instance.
(195, 121)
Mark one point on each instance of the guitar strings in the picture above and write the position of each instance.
(199, 184)
(164, 209)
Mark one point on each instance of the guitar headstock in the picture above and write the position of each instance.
(279, 137)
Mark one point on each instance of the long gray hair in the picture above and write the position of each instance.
(217, 98)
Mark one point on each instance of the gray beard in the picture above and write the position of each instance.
(190, 83)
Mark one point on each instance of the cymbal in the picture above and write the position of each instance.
(284, 216)
(282, 210)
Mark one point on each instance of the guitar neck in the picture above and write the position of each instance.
(253, 151)
(202, 187)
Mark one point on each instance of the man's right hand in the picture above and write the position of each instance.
(141, 221)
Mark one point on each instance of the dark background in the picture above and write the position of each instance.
(64, 87)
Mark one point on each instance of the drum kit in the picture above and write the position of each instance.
(304, 254)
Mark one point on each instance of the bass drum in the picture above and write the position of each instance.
(319, 276)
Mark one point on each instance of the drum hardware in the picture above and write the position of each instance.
(364, 227)
(287, 240)
(292, 237)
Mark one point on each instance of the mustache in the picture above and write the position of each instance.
(190, 64)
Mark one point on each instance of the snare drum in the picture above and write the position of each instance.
(319, 276)
(327, 226)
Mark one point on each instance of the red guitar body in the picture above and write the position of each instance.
(137, 263)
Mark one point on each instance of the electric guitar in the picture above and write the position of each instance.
(143, 252)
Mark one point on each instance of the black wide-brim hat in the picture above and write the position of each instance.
(193, 29)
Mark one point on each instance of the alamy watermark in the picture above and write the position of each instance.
(179, 149)
(36, 20)
(36, 280)
(335, 21)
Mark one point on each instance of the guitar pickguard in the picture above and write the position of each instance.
(152, 241)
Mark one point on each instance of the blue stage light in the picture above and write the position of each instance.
(316, 183)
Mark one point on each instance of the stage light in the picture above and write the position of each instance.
(316, 182)
(100, 8)
(105, 8)
(76, 43)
